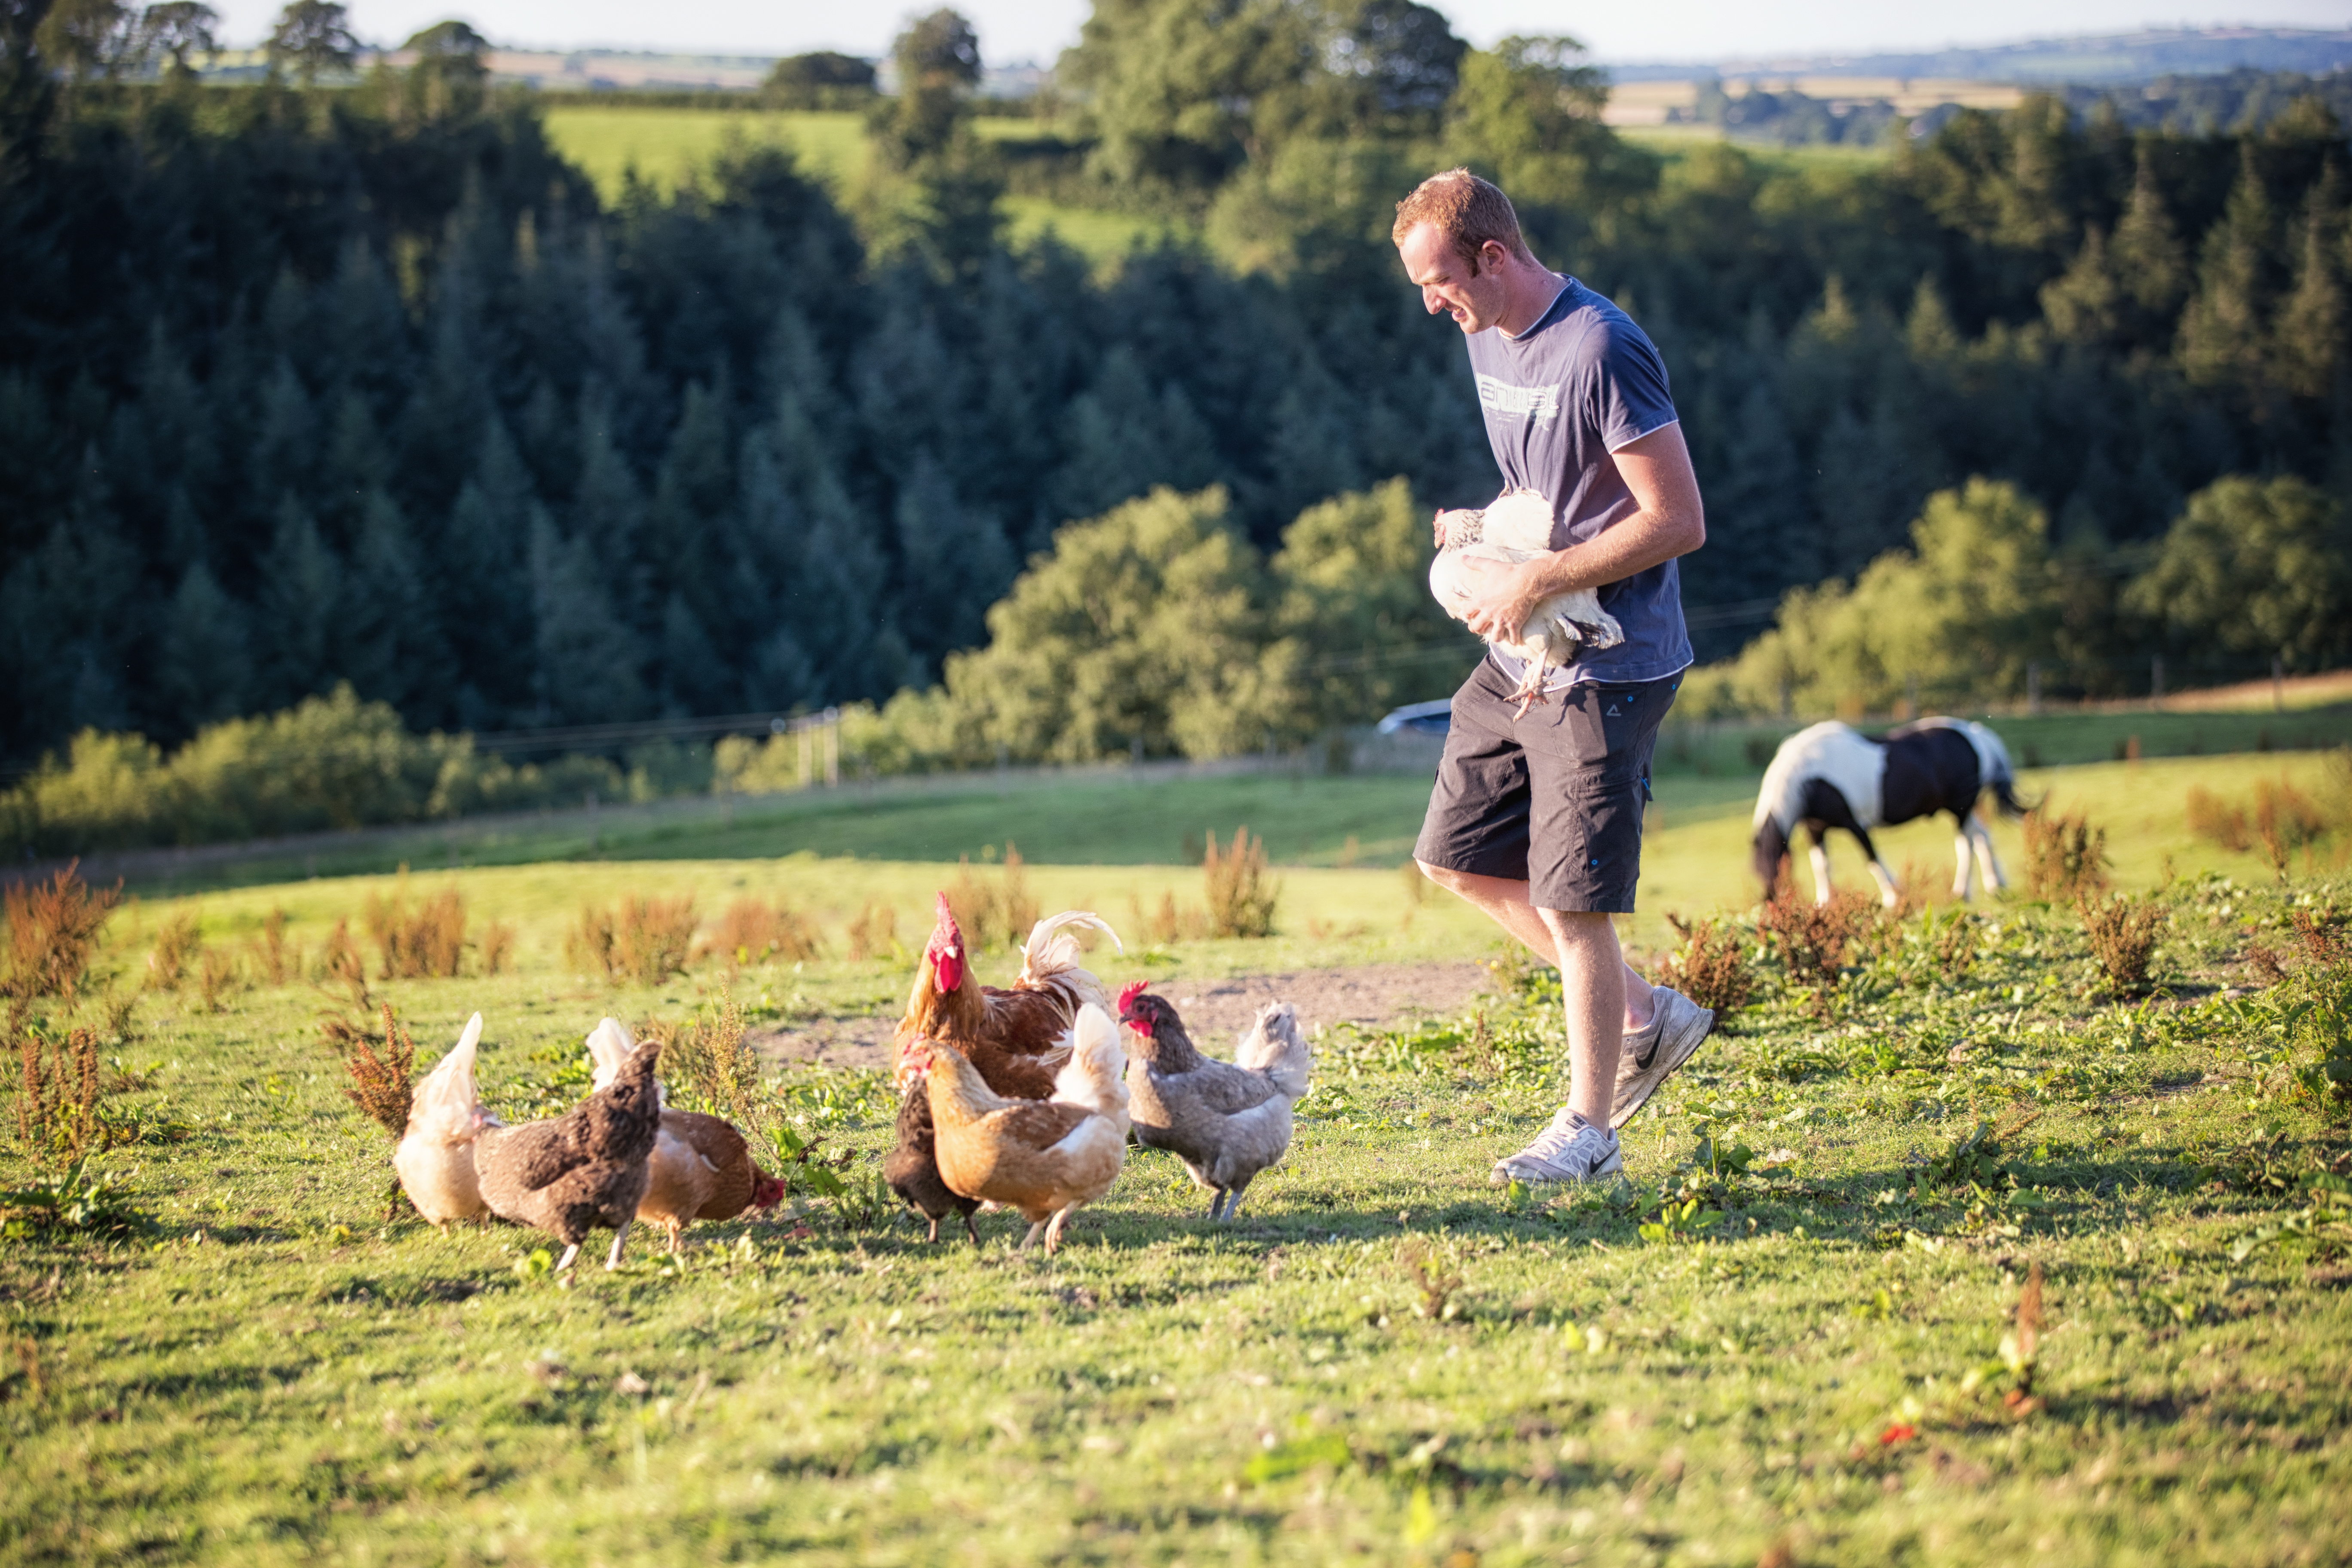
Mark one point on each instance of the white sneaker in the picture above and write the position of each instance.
(1652, 1054)
(1571, 1150)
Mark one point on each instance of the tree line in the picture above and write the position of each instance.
(300, 387)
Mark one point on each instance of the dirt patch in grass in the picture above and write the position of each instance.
(1216, 1010)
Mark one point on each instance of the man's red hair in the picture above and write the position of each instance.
(1468, 211)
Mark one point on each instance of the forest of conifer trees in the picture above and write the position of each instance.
(307, 385)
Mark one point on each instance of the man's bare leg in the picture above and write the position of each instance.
(1504, 902)
(1592, 983)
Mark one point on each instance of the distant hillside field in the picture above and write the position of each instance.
(666, 145)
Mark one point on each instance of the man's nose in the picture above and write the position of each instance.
(1432, 302)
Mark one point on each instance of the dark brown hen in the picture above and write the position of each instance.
(580, 1170)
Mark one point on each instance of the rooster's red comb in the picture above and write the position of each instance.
(1128, 992)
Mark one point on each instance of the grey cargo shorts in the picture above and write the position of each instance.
(1554, 799)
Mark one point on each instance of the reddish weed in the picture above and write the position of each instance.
(2066, 857)
(53, 928)
(1710, 967)
(644, 940)
(753, 929)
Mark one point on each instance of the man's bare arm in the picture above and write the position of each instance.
(1671, 522)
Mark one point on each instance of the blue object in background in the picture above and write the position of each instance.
(1427, 718)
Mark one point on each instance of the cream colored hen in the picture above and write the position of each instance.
(434, 1158)
(1516, 527)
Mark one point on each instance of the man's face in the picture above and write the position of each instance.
(1444, 278)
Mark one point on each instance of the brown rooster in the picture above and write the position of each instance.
(1044, 1157)
(1017, 1039)
(701, 1167)
(582, 1170)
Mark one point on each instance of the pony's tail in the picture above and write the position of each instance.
(2005, 796)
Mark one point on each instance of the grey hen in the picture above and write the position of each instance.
(1226, 1121)
(584, 1168)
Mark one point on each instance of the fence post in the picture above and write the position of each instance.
(1911, 697)
(593, 841)
(2278, 684)
(833, 748)
(2033, 687)
(1787, 697)
(2155, 680)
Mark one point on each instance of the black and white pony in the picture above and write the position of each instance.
(1832, 776)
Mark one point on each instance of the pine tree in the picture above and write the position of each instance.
(954, 562)
(389, 640)
(284, 455)
(588, 659)
(203, 669)
(694, 680)
(1122, 438)
(608, 517)
(2309, 351)
(298, 611)
(2149, 257)
(2222, 336)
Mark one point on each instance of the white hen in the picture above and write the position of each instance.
(1517, 527)
(434, 1158)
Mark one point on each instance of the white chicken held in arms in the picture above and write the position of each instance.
(1516, 527)
(434, 1158)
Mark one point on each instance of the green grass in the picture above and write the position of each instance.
(275, 1372)
(666, 145)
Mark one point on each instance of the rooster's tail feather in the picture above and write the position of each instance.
(1053, 951)
(1275, 1048)
(443, 1104)
(1096, 1074)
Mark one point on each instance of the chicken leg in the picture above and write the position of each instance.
(1234, 1198)
(570, 1254)
(614, 1259)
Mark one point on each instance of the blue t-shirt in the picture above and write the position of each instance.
(1558, 399)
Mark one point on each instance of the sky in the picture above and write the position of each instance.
(1037, 30)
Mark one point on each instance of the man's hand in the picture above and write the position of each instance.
(1503, 597)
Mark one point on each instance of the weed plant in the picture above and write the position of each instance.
(996, 913)
(2066, 857)
(644, 940)
(2123, 934)
(1241, 897)
(428, 942)
(755, 931)
(53, 928)
(1711, 967)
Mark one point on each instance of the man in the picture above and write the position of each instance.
(1538, 820)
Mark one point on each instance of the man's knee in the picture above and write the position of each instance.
(1581, 927)
(1446, 877)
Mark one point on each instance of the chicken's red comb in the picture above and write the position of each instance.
(1128, 992)
(945, 912)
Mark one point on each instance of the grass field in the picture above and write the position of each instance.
(1387, 1359)
(1115, 843)
(665, 145)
